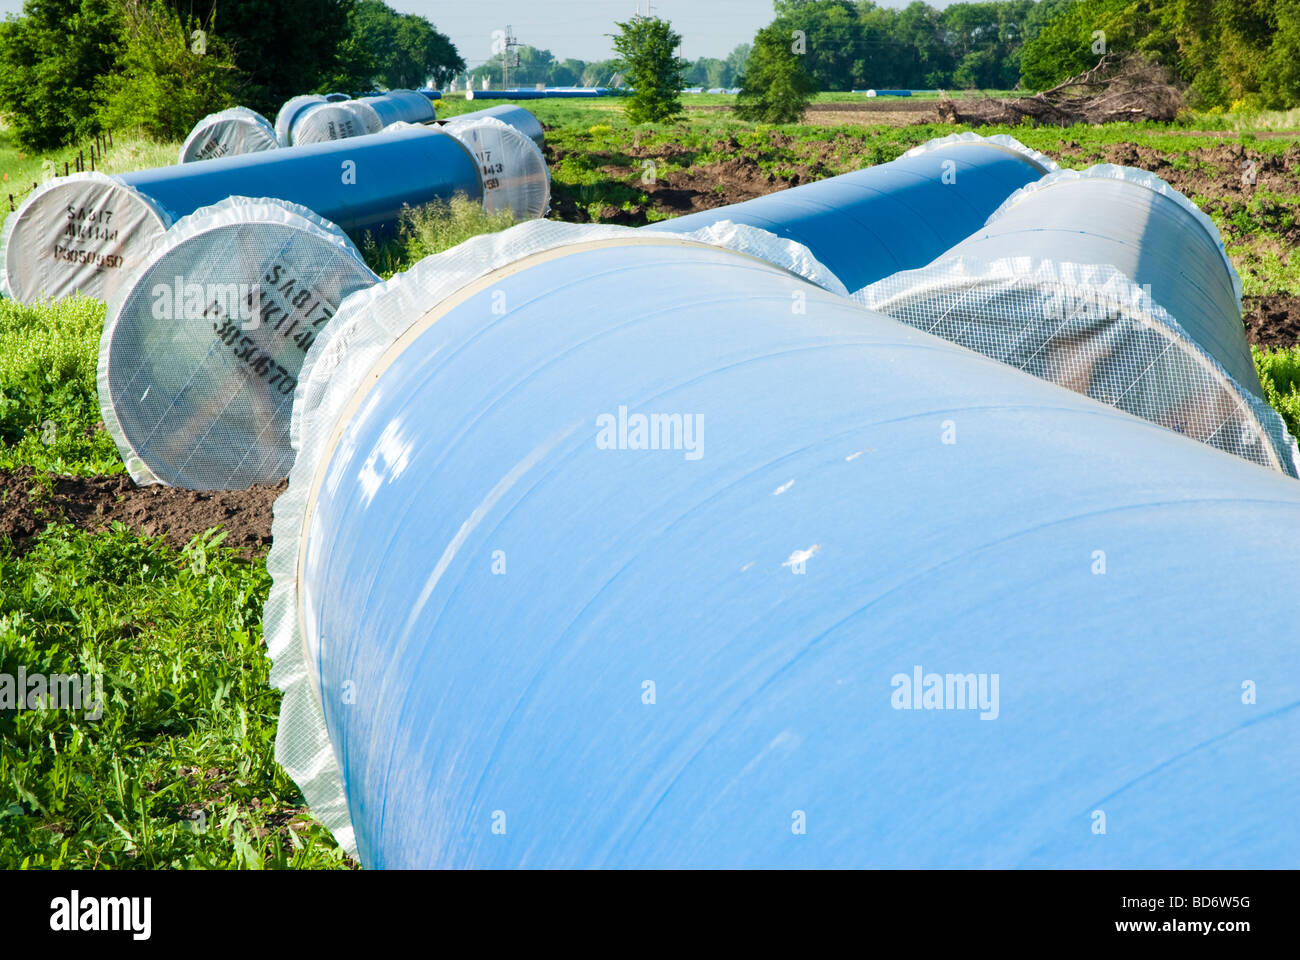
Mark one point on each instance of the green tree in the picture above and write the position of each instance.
(52, 61)
(284, 47)
(167, 76)
(775, 87)
(384, 48)
(647, 50)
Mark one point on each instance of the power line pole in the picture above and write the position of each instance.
(507, 56)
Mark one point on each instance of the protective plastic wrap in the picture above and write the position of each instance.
(234, 131)
(405, 105)
(893, 216)
(1109, 282)
(292, 107)
(508, 113)
(366, 325)
(334, 121)
(201, 353)
(85, 231)
(515, 175)
(509, 635)
(1092, 329)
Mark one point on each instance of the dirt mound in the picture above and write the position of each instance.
(29, 500)
(1130, 88)
(1272, 321)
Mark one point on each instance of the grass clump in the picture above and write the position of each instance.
(178, 769)
(432, 228)
(49, 407)
(1279, 373)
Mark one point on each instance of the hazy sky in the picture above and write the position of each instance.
(577, 28)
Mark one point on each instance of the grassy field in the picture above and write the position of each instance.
(179, 770)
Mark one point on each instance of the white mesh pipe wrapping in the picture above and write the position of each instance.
(366, 325)
(1112, 285)
(515, 175)
(334, 121)
(1001, 140)
(289, 112)
(227, 133)
(201, 353)
(1092, 329)
(84, 232)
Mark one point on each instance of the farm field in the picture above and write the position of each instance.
(161, 590)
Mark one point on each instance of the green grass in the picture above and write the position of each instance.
(20, 169)
(49, 407)
(431, 229)
(179, 769)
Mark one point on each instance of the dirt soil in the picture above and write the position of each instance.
(1272, 321)
(94, 503)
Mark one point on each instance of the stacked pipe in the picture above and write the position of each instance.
(90, 232)
(316, 121)
(549, 93)
(610, 547)
(260, 279)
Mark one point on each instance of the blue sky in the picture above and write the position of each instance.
(577, 28)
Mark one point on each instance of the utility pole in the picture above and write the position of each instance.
(506, 56)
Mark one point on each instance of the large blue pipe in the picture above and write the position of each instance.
(1112, 283)
(513, 116)
(894, 216)
(407, 106)
(1131, 220)
(360, 184)
(887, 603)
(549, 94)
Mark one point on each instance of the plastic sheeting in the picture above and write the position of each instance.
(895, 216)
(360, 184)
(319, 122)
(200, 356)
(84, 232)
(1113, 284)
(292, 107)
(509, 114)
(515, 175)
(513, 634)
(228, 132)
(524, 93)
(408, 106)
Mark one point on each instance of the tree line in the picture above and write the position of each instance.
(1227, 52)
(70, 68)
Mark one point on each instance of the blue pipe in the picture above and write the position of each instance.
(537, 643)
(360, 184)
(894, 216)
(531, 94)
(408, 106)
(513, 116)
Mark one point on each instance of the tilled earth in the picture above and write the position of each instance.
(28, 501)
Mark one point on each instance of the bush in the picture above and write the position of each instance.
(170, 73)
